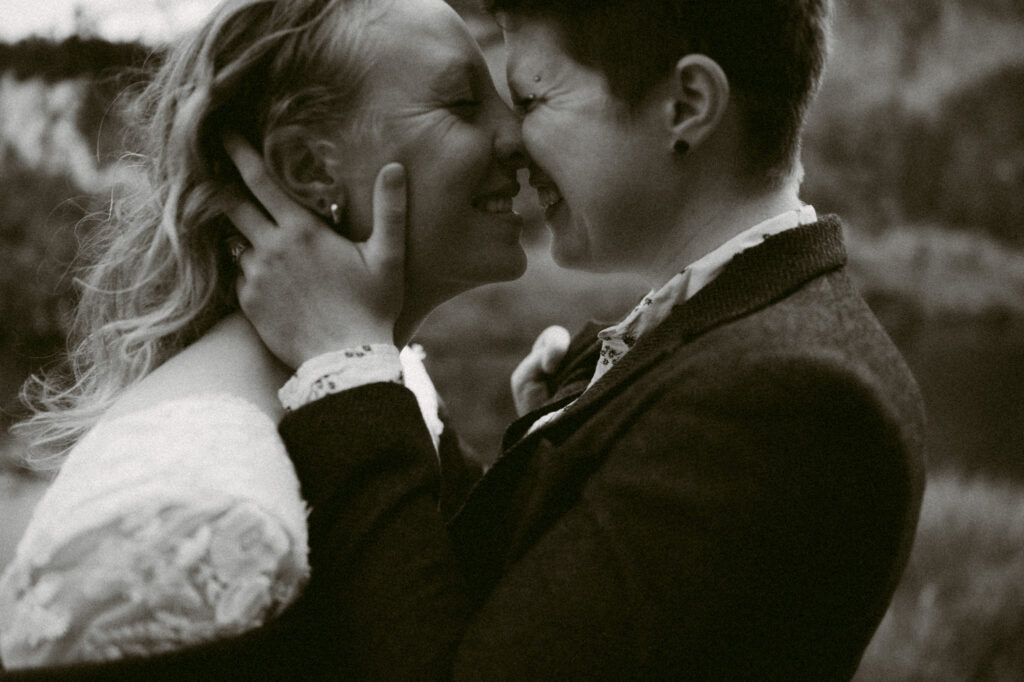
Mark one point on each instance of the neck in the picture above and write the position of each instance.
(712, 219)
(406, 327)
(418, 304)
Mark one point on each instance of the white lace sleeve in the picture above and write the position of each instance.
(169, 527)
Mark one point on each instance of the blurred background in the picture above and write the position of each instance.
(916, 140)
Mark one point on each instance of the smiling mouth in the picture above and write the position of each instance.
(499, 202)
(549, 198)
(497, 205)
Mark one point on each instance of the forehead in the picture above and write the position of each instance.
(413, 36)
(533, 47)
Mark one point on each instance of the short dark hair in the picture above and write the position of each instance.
(772, 51)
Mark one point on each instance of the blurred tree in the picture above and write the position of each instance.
(961, 165)
(978, 148)
(39, 237)
(73, 57)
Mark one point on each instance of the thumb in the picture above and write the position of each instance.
(551, 346)
(386, 245)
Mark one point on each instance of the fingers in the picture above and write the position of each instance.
(386, 245)
(528, 389)
(529, 379)
(527, 371)
(248, 220)
(550, 347)
(281, 207)
(242, 283)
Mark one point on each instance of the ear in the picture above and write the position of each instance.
(305, 168)
(698, 97)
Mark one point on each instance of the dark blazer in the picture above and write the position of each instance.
(735, 499)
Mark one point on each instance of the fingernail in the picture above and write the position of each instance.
(394, 175)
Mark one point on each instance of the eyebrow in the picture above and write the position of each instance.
(454, 74)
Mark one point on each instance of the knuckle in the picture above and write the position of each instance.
(256, 173)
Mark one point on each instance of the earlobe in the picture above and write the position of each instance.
(699, 97)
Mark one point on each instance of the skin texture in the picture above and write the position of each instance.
(439, 115)
(625, 200)
(631, 203)
(606, 163)
(432, 107)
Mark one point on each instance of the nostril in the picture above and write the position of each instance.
(517, 159)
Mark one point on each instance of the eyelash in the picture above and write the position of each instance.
(465, 107)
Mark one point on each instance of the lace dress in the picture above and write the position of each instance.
(172, 526)
(176, 525)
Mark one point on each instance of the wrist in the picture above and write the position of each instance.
(351, 339)
(340, 370)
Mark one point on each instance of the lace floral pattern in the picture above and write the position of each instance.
(170, 527)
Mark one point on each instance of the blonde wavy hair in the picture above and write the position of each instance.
(159, 275)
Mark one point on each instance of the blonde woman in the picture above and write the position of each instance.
(176, 517)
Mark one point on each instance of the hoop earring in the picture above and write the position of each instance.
(335, 215)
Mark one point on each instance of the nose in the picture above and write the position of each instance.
(538, 177)
(508, 138)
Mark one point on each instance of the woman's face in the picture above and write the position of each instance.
(599, 170)
(436, 111)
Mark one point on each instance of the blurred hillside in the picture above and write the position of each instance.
(917, 140)
(920, 116)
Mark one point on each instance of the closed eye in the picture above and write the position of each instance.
(466, 107)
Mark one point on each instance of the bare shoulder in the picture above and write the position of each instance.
(230, 358)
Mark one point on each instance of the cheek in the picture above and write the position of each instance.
(439, 215)
(445, 170)
(562, 151)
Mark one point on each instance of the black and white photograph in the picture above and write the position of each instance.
(512, 340)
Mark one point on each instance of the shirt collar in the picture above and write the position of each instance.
(656, 305)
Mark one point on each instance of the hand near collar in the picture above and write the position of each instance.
(305, 289)
(529, 379)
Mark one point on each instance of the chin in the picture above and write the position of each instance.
(569, 257)
(511, 268)
(507, 269)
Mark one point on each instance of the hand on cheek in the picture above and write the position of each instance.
(305, 289)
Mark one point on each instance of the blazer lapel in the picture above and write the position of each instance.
(752, 280)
